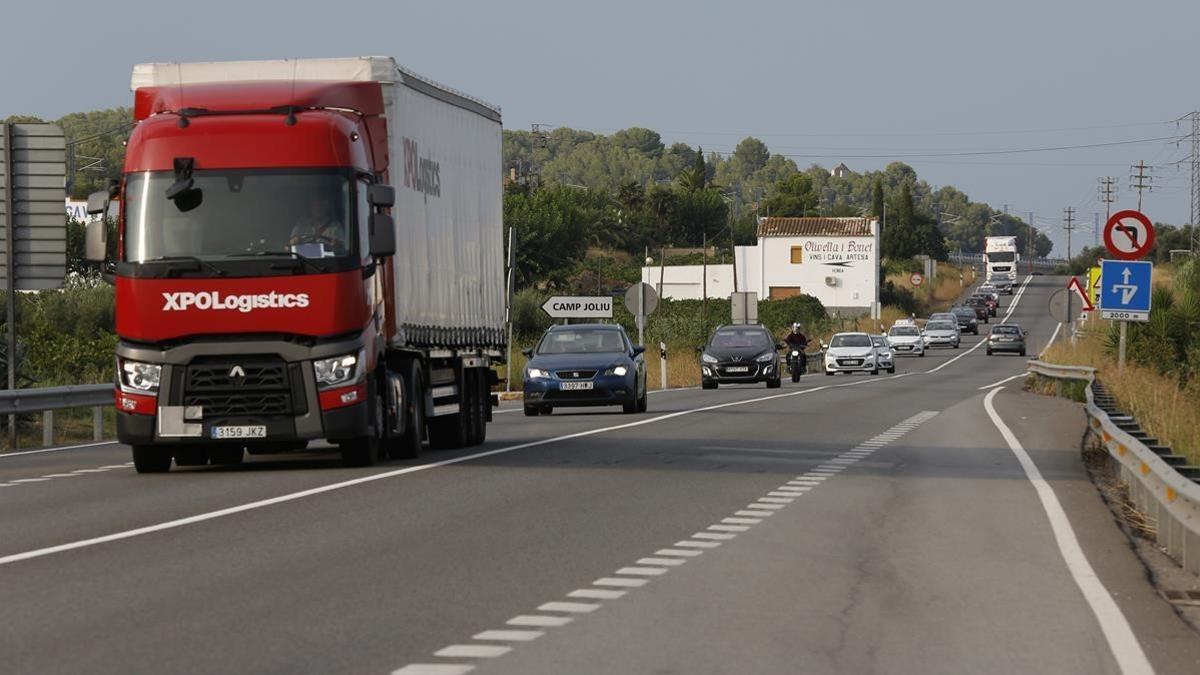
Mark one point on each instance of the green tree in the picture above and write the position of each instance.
(877, 198)
(793, 196)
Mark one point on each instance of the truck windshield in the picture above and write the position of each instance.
(1001, 256)
(240, 213)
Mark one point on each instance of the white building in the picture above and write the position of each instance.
(835, 260)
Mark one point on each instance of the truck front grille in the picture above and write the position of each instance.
(252, 386)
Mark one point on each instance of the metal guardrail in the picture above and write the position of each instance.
(46, 400)
(1157, 489)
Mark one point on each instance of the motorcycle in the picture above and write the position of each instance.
(797, 363)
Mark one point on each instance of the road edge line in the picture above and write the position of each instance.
(1122, 641)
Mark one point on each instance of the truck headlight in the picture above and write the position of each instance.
(139, 377)
(338, 370)
(708, 358)
(536, 374)
(619, 371)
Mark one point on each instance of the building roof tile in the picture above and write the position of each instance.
(815, 227)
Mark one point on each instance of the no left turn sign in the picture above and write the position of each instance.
(1128, 235)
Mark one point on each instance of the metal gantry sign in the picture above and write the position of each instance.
(1125, 290)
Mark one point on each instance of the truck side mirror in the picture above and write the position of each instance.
(381, 196)
(97, 203)
(95, 236)
(383, 235)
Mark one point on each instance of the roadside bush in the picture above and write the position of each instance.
(900, 297)
(528, 319)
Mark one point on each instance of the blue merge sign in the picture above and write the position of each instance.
(1125, 290)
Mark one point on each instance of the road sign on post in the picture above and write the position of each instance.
(1093, 285)
(1125, 290)
(916, 279)
(578, 307)
(1128, 235)
(641, 301)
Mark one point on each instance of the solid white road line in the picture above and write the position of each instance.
(1007, 379)
(1121, 638)
(1057, 327)
(20, 453)
(1012, 307)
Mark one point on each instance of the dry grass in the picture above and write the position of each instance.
(1162, 408)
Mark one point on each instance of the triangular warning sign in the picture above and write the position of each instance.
(1076, 287)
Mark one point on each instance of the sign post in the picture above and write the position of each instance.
(641, 301)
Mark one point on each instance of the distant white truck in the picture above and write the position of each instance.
(1000, 259)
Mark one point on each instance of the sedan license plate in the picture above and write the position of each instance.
(851, 362)
(738, 369)
(574, 386)
(247, 431)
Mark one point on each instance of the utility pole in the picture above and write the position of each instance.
(1108, 195)
(1141, 180)
(1030, 235)
(1195, 215)
(1069, 224)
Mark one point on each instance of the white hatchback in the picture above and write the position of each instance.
(906, 339)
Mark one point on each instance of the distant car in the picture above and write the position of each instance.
(1004, 286)
(883, 353)
(849, 353)
(942, 316)
(989, 292)
(967, 321)
(740, 355)
(942, 333)
(906, 339)
(585, 365)
(1007, 337)
(980, 305)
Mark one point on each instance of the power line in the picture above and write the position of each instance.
(974, 153)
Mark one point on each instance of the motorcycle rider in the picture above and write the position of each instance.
(798, 341)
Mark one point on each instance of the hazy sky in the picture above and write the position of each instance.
(822, 81)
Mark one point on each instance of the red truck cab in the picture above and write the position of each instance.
(250, 272)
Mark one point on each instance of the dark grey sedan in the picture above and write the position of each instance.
(1007, 337)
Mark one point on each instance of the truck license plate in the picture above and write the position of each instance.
(575, 386)
(248, 431)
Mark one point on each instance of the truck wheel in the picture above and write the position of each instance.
(230, 455)
(191, 455)
(365, 451)
(151, 459)
(408, 446)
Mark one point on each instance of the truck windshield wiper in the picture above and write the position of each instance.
(292, 255)
(200, 262)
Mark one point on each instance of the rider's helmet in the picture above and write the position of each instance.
(796, 328)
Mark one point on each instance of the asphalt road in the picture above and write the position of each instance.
(843, 524)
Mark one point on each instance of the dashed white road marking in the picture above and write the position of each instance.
(698, 544)
(728, 528)
(434, 669)
(754, 514)
(541, 620)
(643, 571)
(473, 651)
(620, 582)
(509, 635)
(718, 536)
(1120, 636)
(686, 553)
(669, 562)
(741, 520)
(569, 607)
(596, 594)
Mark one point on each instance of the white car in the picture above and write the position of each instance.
(906, 339)
(883, 353)
(943, 333)
(850, 353)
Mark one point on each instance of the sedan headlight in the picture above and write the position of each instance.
(536, 374)
(337, 371)
(767, 357)
(139, 377)
(708, 358)
(619, 371)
